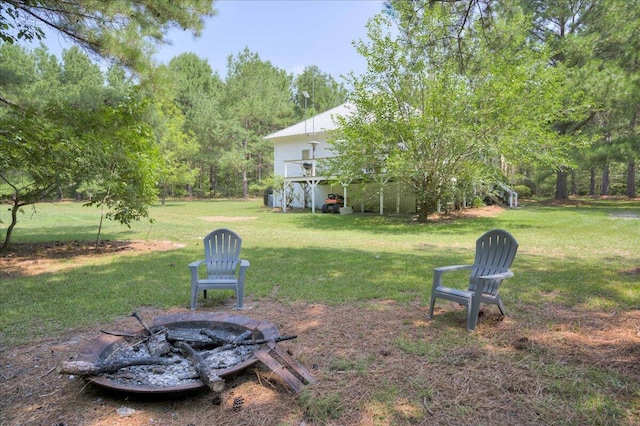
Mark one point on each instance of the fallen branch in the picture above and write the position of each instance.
(85, 368)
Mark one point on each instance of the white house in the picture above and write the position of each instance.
(298, 153)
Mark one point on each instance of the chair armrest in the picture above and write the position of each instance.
(196, 264)
(451, 268)
(485, 279)
(438, 272)
(244, 265)
(193, 266)
(500, 276)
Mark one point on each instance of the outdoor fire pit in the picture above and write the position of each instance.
(219, 343)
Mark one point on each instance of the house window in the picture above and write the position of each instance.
(306, 154)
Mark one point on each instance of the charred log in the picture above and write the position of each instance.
(84, 368)
(207, 374)
(242, 339)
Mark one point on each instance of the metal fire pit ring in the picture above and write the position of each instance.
(102, 346)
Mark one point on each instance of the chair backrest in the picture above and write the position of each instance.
(222, 253)
(495, 251)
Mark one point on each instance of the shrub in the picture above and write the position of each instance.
(523, 191)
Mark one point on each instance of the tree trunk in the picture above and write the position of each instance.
(604, 189)
(305, 195)
(631, 164)
(592, 181)
(245, 185)
(14, 221)
(631, 179)
(427, 206)
(212, 182)
(423, 213)
(561, 185)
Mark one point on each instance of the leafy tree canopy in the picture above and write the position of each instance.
(124, 30)
(72, 130)
(449, 93)
(316, 92)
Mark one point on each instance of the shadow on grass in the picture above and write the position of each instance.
(393, 225)
(116, 285)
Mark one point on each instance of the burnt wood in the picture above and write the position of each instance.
(207, 374)
(85, 368)
(284, 366)
(242, 339)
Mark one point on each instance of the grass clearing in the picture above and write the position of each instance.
(356, 290)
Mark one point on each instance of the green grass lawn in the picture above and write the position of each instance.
(580, 258)
(575, 253)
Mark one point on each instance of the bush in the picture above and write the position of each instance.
(618, 189)
(477, 203)
(523, 191)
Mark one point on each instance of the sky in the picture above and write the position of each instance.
(291, 34)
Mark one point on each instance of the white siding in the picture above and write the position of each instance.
(288, 147)
(291, 148)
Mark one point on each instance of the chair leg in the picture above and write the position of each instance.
(473, 309)
(194, 296)
(501, 307)
(432, 304)
(239, 297)
(205, 294)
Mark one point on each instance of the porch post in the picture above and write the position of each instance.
(284, 197)
(313, 182)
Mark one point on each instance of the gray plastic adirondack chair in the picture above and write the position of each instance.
(495, 251)
(224, 268)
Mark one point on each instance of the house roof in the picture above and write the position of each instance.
(319, 123)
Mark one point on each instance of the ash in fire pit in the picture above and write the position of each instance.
(179, 371)
(183, 352)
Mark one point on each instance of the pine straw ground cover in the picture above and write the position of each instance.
(377, 363)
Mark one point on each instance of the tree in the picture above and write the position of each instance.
(63, 138)
(597, 42)
(74, 131)
(198, 92)
(615, 66)
(257, 101)
(558, 24)
(177, 147)
(123, 30)
(450, 92)
(124, 162)
(35, 155)
(323, 92)
(35, 158)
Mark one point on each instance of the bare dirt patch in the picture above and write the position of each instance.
(485, 211)
(228, 218)
(36, 258)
